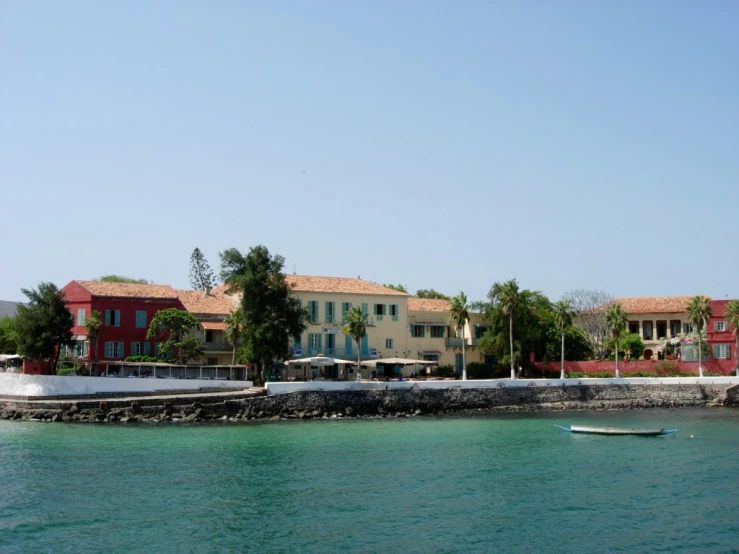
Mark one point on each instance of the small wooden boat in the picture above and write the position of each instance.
(617, 430)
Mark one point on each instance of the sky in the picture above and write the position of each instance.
(443, 145)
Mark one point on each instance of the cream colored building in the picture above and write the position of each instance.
(655, 319)
(211, 308)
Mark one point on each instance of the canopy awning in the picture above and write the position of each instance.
(213, 325)
(396, 361)
(430, 323)
(434, 352)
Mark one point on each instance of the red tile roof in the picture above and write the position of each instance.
(128, 290)
(342, 285)
(654, 304)
(428, 305)
(197, 302)
(213, 325)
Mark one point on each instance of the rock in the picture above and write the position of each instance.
(223, 418)
(57, 418)
(350, 411)
(275, 418)
(418, 411)
(125, 419)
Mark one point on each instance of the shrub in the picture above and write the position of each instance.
(145, 359)
(444, 371)
(477, 370)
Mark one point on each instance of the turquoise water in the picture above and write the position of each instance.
(507, 483)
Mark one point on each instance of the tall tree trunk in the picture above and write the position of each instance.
(359, 357)
(617, 373)
(562, 373)
(464, 358)
(233, 355)
(700, 354)
(510, 334)
(736, 351)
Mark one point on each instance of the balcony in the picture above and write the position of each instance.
(456, 342)
(217, 347)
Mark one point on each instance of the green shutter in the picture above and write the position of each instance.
(365, 308)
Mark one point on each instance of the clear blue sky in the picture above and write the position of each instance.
(442, 145)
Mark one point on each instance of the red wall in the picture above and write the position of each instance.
(720, 337)
(723, 367)
(36, 367)
(127, 332)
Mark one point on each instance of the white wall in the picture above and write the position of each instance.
(56, 385)
(282, 388)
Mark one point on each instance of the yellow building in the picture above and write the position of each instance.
(655, 319)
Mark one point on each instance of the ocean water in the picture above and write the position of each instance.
(502, 483)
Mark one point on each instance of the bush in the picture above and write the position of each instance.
(583, 375)
(74, 370)
(477, 370)
(444, 371)
(145, 359)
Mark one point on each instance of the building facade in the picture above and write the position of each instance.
(126, 310)
(719, 334)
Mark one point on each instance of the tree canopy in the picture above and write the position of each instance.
(272, 316)
(430, 293)
(170, 328)
(122, 279)
(731, 313)
(8, 340)
(699, 312)
(398, 287)
(201, 275)
(44, 325)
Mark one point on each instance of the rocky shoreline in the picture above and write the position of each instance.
(370, 404)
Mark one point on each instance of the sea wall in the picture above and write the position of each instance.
(16, 384)
(374, 403)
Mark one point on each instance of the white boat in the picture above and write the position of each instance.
(617, 430)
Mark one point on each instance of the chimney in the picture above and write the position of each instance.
(207, 290)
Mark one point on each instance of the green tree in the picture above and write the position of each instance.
(94, 327)
(506, 295)
(201, 276)
(431, 293)
(731, 313)
(699, 312)
(356, 328)
(616, 320)
(398, 287)
(234, 328)
(460, 315)
(632, 345)
(563, 313)
(44, 326)
(272, 315)
(8, 340)
(122, 279)
(170, 328)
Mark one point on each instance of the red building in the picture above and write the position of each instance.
(720, 336)
(126, 310)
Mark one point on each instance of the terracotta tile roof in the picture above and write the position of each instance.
(654, 304)
(428, 305)
(345, 285)
(197, 302)
(213, 325)
(128, 290)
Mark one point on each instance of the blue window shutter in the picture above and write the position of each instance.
(120, 350)
(85, 351)
(348, 343)
(365, 342)
(715, 350)
(318, 342)
(326, 308)
(106, 349)
(117, 318)
(107, 318)
(364, 308)
(146, 349)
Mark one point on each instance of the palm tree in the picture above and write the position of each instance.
(356, 328)
(94, 327)
(616, 319)
(731, 313)
(460, 316)
(699, 312)
(234, 327)
(507, 297)
(563, 314)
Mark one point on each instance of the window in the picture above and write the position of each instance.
(721, 351)
(687, 328)
(114, 349)
(313, 311)
(437, 332)
(330, 344)
(141, 319)
(431, 357)
(345, 309)
(330, 312)
(140, 349)
(80, 316)
(209, 336)
(314, 342)
(661, 330)
(675, 327)
(379, 311)
(480, 331)
(388, 343)
(647, 330)
(634, 327)
(418, 331)
(394, 311)
(113, 318)
(80, 349)
(719, 326)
